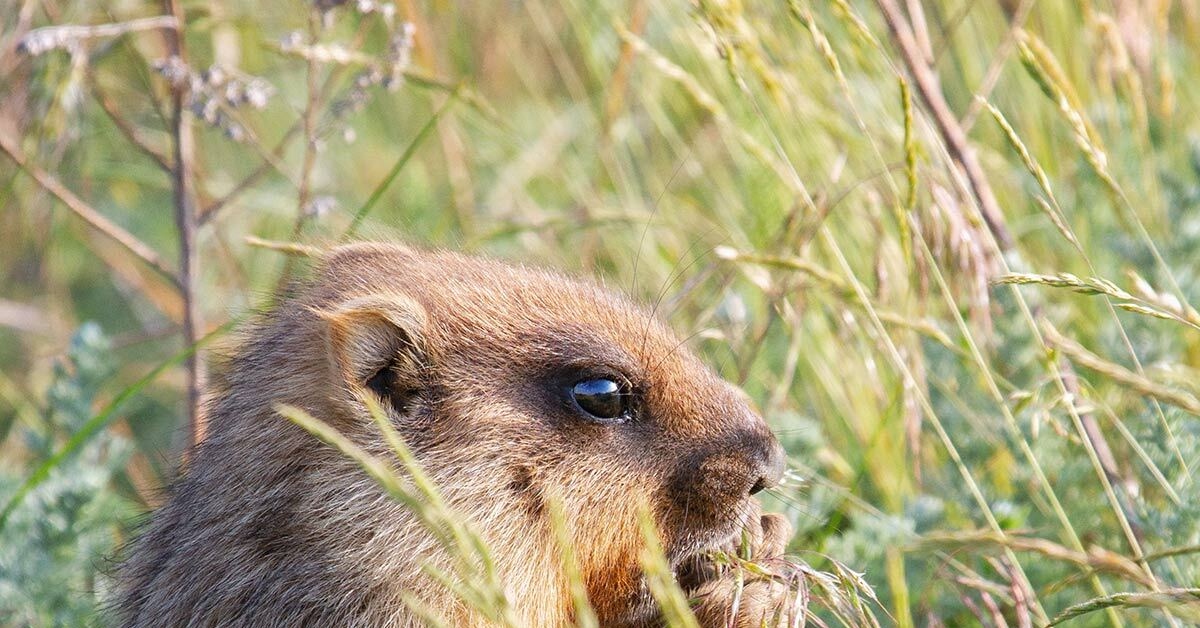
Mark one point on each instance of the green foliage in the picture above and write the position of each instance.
(57, 541)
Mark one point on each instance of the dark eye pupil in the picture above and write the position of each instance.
(601, 398)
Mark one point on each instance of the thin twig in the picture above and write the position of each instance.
(211, 210)
(47, 38)
(312, 106)
(146, 82)
(19, 26)
(24, 317)
(87, 213)
(287, 248)
(185, 220)
(124, 126)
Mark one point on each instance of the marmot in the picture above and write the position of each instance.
(512, 385)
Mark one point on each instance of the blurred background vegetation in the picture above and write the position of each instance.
(948, 246)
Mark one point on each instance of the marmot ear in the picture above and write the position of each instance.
(377, 345)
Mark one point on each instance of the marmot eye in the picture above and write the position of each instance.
(602, 398)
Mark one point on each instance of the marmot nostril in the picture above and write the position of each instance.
(772, 464)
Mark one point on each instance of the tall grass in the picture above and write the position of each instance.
(949, 248)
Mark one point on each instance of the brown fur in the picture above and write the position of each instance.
(268, 526)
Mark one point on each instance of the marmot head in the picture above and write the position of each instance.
(517, 386)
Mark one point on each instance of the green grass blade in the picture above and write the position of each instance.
(407, 155)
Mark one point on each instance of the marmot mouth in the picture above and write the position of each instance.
(694, 563)
(702, 566)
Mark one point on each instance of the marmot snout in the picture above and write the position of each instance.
(514, 387)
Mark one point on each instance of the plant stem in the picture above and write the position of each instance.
(929, 88)
(185, 219)
(86, 212)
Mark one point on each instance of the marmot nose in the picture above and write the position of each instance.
(770, 464)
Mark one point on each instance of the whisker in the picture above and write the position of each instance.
(653, 212)
(671, 277)
(678, 271)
